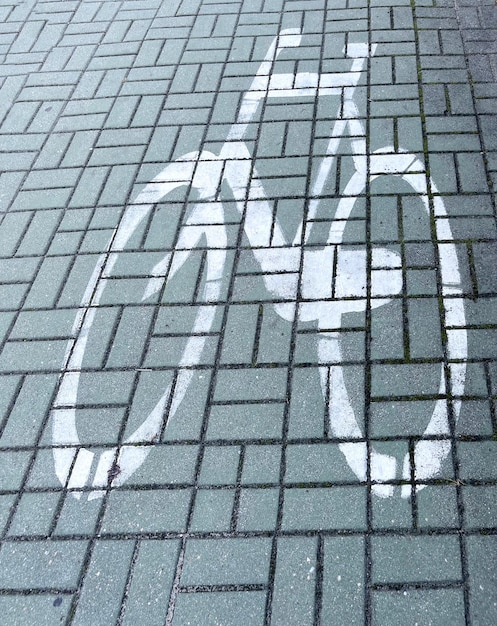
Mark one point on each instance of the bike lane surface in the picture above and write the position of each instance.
(248, 315)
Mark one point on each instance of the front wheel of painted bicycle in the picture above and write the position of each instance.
(144, 330)
(413, 317)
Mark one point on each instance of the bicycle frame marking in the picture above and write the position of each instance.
(204, 172)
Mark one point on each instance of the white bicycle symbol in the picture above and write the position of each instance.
(310, 298)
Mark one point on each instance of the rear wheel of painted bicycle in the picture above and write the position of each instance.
(127, 283)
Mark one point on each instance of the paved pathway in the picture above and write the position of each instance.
(248, 312)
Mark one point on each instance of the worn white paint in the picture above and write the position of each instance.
(322, 297)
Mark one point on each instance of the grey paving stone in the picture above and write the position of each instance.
(95, 241)
(393, 513)
(245, 421)
(306, 417)
(53, 151)
(6, 504)
(294, 587)
(403, 380)
(18, 270)
(258, 384)
(219, 465)
(17, 161)
(261, 464)
(34, 514)
(391, 418)
(109, 563)
(97, 346)
(29, 411)
(473, 457)
(41, 564)
(12, 296)
(425, 339)
(213, 510)
(479, 506)
(169, 465)
(438, 507)
(9, 386)
(343, 579)
(235, 608)
(152, 511)
(226, 561)
(48, 282)
(6, 319)
(39, 232)
(258, 509)
(315, 463)
(475, 419)
(41, 474)
(410, 559)
(414, 607)
(89, 186)
(31, 609)
(40, 356)
(151, 582)
(12, 229)
(41, 199)
(325, 508)
(71, 522)
(482, 570)
(14, 467)
(387, 334)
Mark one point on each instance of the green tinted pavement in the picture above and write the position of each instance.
(248, 312)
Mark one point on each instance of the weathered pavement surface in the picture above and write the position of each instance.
(261, 389)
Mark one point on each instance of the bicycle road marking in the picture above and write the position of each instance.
(324, 300)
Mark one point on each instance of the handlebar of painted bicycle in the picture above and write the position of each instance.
(301, 84)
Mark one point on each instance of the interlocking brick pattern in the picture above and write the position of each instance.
(245, 510)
